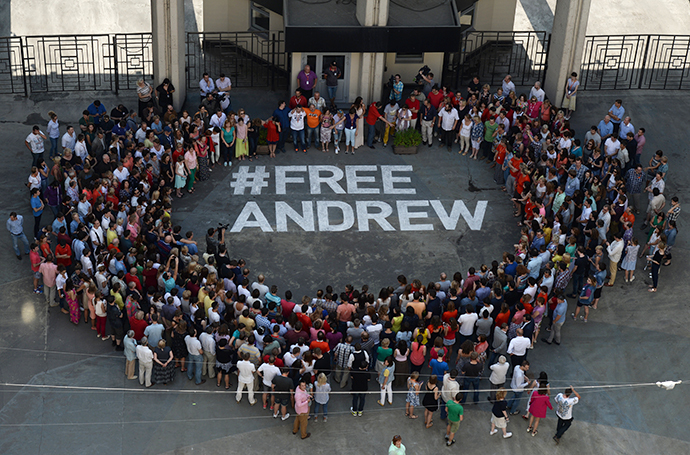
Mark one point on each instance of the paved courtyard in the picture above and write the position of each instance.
(61, 391)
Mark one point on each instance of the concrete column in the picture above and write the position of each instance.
(372, 12)
(567, 46)
(167, 26)
(371, 75)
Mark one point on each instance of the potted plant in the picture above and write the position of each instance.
(406, 142)
(262, 147)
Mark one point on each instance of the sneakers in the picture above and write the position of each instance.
(493, 432)
(325, 419)
(450, 443)
(359, 414)
(632, 278)
(286, 416)
(572, 315)
(275, 415)
(507, 435)
(582, 318)
(336, 151)
(354, 413)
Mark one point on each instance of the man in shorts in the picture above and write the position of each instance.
(267, 372)
(455, 412)
(282, 389)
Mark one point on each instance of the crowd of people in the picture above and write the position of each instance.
(113, 257)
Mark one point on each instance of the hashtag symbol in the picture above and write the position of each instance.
(254, 180)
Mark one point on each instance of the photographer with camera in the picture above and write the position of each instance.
(210, 241)
(427, 81)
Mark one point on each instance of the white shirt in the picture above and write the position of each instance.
(53, 129)
(565, 406)
(144, 354)
(246, 370)
(537, 93)
(213, 317)
(508, 87)
(87, 265)
(36, 142)
(206, 87)
(193, 345)
(208, 343)
(498, 373)
(519, 382)
(297, 120)
(263, 289)
(269, 372)
(218, 121)
(467, 322)
(140, 135)
(97, 237)
(222, 84)
(34, 182)
(60, 281)
(121, 174)
(519, 345)
(448, 118)
(80, 150)
(612, 147)
(69, 141)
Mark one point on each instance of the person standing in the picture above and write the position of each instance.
(517, 385)
(130, 354)
(569, 100)
(332, 74)
(386, 378)
(455, 416)
(396, 447)
(360, 385)
(499, 414)
(565, 402)
(15, 225)
(145, 356)
(447, 121)
(49, 271)
(145, 95)
(53, 130)
(302, 402)
(196, 359)
(614, 250)
(245, 377)
(34, 142)
(498, 376)
(306, 79)
(557, 320)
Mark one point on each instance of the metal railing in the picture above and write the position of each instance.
(493, 55)
(636, 62)
(249, 59)
(58, 63)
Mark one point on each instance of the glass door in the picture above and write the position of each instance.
(321, 62)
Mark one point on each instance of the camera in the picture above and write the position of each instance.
(425, 70)
(222, 226)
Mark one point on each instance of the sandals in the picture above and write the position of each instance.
(529, 429)
(534, 433)
(412, 416)
(430, 424)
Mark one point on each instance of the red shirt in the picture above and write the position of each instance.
(301, 101)
(133, 278)
(150, 279)
(278, 361)
(436, 99)
(138, 326)
(515, 162)
(286, 308)
(323, 345)
(63, 250)
(373, 114)
(500, 153)
(304, 319)
(412, 105)
(521, 180)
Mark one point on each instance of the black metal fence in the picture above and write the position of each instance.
(249, 59)
(636, 62)
(35, 64)
(493, 55)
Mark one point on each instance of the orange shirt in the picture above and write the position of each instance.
(313, 118)
(626, 216)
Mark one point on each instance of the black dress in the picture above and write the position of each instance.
(429, 401)
(179, 347)
(163, 375)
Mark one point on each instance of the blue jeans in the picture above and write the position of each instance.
(298, 140)
(444, 409)
(371, 132)
(194, 367)
(332, 91)
(578, 283)
(474, 382)
(514, 400)
(358, 401)
(252, 146)
(324, 406)
(54, 147)
(15, 243)
(312, 132)
(283, 135)
(36, 157)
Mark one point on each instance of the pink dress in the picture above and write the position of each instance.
(539, 404)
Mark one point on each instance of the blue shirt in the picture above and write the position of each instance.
(618, 112)
(538, 242)
(560, 310)
(510, 269)
(35, 204)
(571, 185)
(282, 115)
(605, 129)
(439, 368)
(93, 111)
(57, 225)
(534, 267)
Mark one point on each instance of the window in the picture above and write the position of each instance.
(467, 17)
(409, 58)
(259, 17)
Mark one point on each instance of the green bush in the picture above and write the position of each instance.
(263, 132)
(408, 138)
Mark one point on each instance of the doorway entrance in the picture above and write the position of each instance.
(321, 62)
